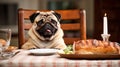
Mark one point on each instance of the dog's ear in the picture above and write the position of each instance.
(57, 15)
(33, 16)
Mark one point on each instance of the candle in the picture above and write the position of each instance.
(105, 25)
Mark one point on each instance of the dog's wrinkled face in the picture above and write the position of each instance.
(47, 23)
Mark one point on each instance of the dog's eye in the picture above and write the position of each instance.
(53, 21)
(40, 22)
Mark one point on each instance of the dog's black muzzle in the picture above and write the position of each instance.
(47, 30)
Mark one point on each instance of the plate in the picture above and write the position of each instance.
(90, 56)
(43, 51)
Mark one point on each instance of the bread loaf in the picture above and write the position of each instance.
(11, 48)
(95, 47)
(2, 42)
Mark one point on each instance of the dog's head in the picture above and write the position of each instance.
(47, 24)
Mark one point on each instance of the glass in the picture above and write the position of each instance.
(5, 38)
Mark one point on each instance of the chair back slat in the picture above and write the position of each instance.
(63, 26)
(67, 14)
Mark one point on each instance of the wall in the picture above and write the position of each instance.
(88, 5)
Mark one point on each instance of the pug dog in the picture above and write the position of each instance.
(45, 32)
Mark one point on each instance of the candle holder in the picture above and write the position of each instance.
(105, 37)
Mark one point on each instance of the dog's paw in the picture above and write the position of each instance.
(28, 46)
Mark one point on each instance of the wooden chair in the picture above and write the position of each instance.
(76, 14)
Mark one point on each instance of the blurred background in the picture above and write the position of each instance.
(95, 10)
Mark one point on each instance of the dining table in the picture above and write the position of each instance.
(25, 59)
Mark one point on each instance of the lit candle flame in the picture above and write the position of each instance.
(105, 14)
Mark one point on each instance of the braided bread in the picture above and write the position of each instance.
(95, 47)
